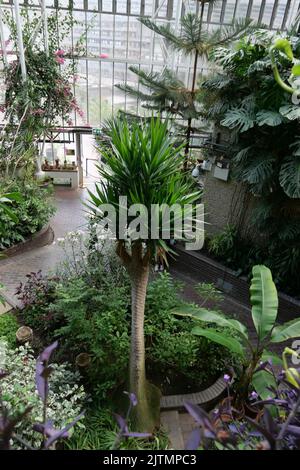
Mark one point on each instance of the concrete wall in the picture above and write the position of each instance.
(226, 202)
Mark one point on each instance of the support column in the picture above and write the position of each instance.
(78, 158)
(20, 40)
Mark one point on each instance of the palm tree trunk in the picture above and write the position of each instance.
(189, 126)
(139, 282)
(144, 417)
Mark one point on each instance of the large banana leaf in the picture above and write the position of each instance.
(286, 331)
(209, 316)
(261, 381)
(264, 300)
(272, 357)
(220, 338)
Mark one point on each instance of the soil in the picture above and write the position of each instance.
(173, 383)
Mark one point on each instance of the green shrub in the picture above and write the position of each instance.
(100, 433)
(90, 313)
(8, 328)
(170, 345)
(95, 321)
(32, 212)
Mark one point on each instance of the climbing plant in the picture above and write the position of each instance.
(45, 97)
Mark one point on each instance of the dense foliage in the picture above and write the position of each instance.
(30, 213)
(91, 314)
(66, 397)
(8, 329)
(244, 99)
(264, 301)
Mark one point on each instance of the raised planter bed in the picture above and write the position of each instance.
(43, 237)
(204, 269)
(203, 398)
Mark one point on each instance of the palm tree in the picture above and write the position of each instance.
(143, 164)
(167, 92)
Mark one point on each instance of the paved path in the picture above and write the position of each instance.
(70, 215)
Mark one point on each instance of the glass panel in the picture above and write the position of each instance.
(107, 5)
(93, 5)
(107, 39)
(135, 7)
(93, 93)
(81, 93)
(121, 6)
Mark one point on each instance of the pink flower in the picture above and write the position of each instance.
(103, 56)
(60, 60)
(69, 122)
(2, 109)
(59, 52)
(7, 42)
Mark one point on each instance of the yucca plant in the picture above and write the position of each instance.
(143, 164)
(264, 301)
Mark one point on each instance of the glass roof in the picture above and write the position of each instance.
(112, 30)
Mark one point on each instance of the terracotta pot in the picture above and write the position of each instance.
(24, 334)
(83, 360)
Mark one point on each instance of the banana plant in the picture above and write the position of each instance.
(264, 301)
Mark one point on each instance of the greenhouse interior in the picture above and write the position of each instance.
(150, 225)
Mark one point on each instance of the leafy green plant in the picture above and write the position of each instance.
(18, 393)
(95, 321)
(262, 128)
(27, 213)
(100, 431)
(209, 293)
(8, 329)
(171, 350)
(91, 314)
(34, 104)
(264, 300)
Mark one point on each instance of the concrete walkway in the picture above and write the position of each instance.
(70, 215)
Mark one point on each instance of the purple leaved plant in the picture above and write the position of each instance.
(123, 424)
(276, 427)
